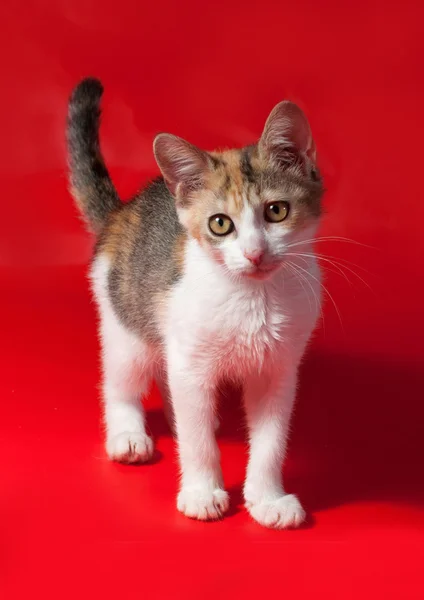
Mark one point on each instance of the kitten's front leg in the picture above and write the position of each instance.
(268, 409)
(193, 398)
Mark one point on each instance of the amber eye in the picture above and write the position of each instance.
(221, 225)
(275, 212)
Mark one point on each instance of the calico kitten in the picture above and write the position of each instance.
(195, 286)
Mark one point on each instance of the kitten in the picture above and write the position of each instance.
(195, 286)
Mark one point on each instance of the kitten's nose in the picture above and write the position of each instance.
(255, 256)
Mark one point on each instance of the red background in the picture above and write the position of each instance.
(73, 524)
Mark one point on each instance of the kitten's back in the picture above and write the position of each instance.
(144, 244)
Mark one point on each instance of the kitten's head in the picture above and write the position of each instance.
(246, 207)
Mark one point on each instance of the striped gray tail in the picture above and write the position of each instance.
(91, 185)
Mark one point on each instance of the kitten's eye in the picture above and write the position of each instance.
(221, 225)
(275, 212)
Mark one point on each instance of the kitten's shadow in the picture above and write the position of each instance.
(356, 433)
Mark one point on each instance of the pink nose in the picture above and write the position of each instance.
(255, 256)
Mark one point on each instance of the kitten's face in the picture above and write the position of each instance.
(246, 207)
(248, 212)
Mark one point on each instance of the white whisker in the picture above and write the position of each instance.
(292, 268)
(335, 263)
(326, 291)
(331, 238)
(317, 302)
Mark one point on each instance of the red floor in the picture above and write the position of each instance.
(73, 524)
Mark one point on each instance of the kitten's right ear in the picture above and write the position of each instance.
(287, 132)
(183, 166)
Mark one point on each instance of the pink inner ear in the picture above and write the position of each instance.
(287, 130)
(182, 164)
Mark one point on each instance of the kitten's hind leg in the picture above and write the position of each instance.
(126, 379)
(127, 373)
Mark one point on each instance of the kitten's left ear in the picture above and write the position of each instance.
(287, 133)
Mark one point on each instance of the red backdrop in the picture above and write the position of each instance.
(73, 523)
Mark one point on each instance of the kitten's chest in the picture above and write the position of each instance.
(232, 329)
(254, 327)
(254, 317)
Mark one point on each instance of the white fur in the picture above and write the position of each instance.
(219, 324)
(127, 371)
(218, 327)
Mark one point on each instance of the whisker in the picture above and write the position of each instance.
(292, 268)
(317, 302)
(327, 292)
(337, 264)
(342, 262)
(331, 238)
(339, 270)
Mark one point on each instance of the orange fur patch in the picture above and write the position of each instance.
(228, 177)
(179, 252)
(120, 232)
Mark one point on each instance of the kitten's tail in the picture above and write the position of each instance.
(91, 185)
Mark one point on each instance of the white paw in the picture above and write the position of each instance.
(130, 447)
(203, 504)
(282, 513)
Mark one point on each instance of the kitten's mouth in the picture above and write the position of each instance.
(262, 272)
